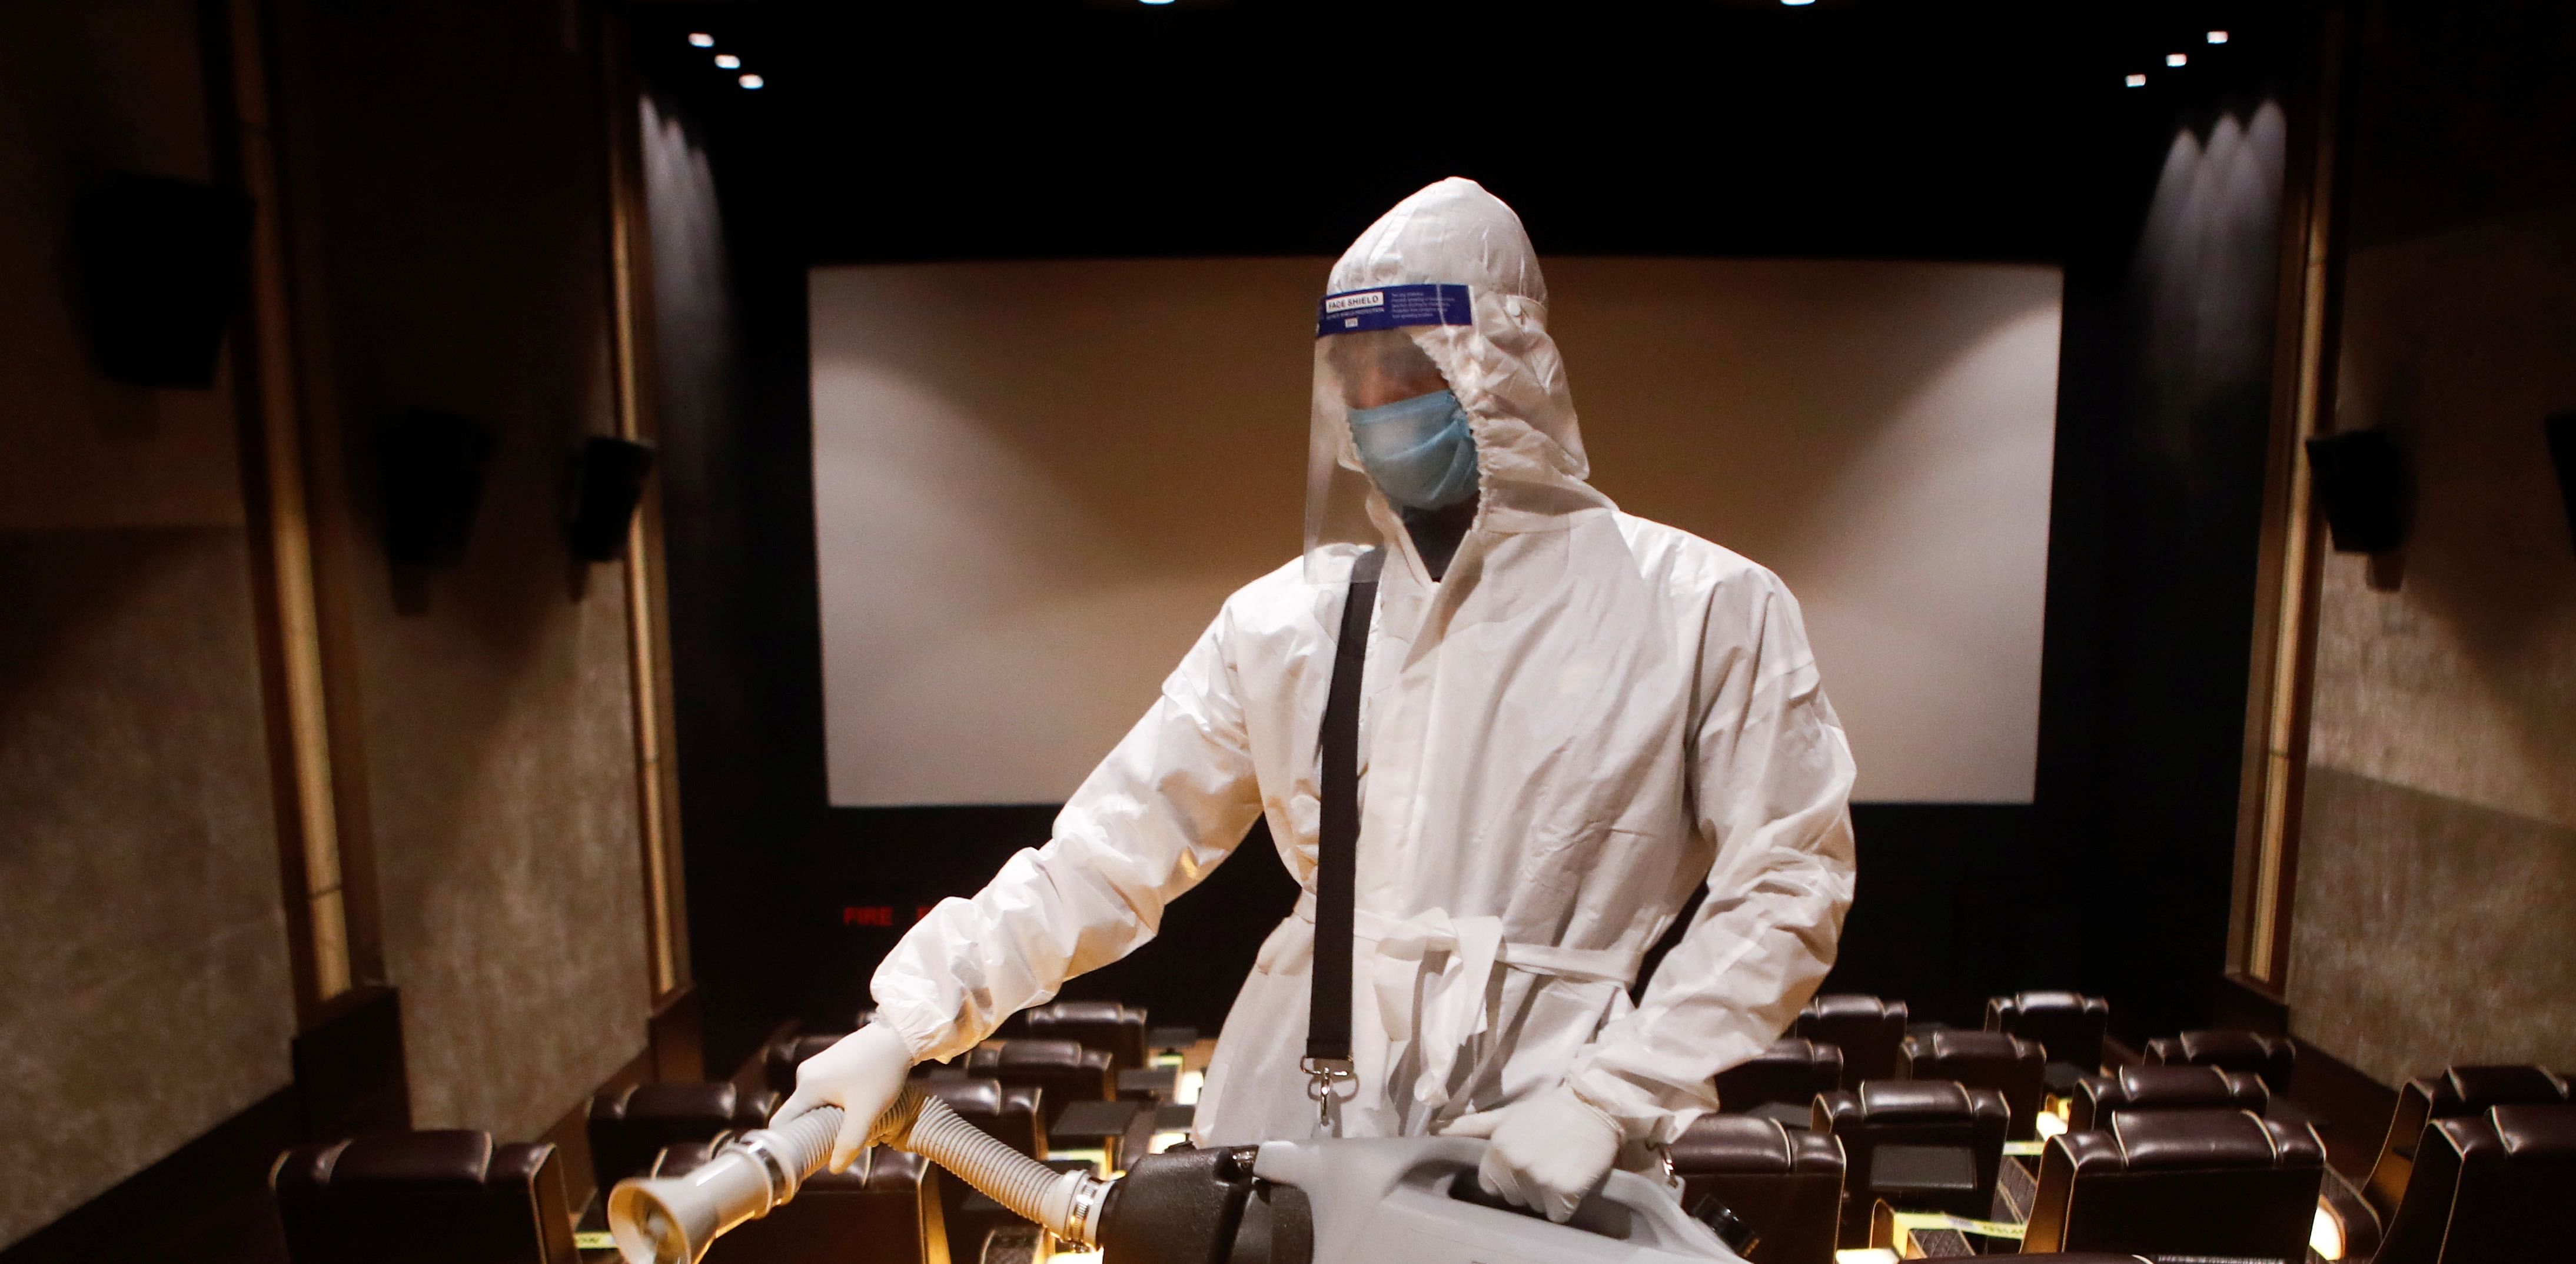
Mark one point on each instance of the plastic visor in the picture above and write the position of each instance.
(1364, 351)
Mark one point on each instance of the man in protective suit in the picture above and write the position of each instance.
(1570, 718)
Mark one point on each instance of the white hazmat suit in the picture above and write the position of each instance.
(1587, 716)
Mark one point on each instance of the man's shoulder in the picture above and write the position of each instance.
(1283, 597)
(1687, 564)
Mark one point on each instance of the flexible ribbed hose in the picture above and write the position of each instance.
(670, 1220)
(927, 1127)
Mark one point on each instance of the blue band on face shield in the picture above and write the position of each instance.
(1419, 451)
(1392, 306)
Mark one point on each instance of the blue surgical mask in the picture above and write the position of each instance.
(1419, 450)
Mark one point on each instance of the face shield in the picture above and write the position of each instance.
(1388, 436)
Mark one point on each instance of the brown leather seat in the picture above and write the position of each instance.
(448, 1197)
(2270, 1057)
(1865, 1028)
(2488, 1189)
(628, 1126)
(2010, 1065)
(886, 1209)
(1781, 1082)
(2225, 1183)
(779, 1061)
(2068, 1025)
(2098, 1097)
(1923, 1145)
(1785, 1182)
(1066, 1071)
(2456, 1093)
(1107, 1026)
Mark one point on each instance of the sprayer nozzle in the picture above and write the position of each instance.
(646, 1231)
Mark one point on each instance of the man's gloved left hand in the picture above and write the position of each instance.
(1547, 1151)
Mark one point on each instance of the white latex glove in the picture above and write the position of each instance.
(1547, 1151)
(861, 1073)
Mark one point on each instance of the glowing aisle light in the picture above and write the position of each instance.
(2325, 1237)
(2177, 60)
(2136, 81)
(751, 81)
(727, 61)
(2218, 37)
(700, 39)
(1797, 4)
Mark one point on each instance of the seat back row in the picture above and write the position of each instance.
(2207, 1182)
(2033, 1043)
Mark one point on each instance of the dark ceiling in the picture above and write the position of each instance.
(1019, 128)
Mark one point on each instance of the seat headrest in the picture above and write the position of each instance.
(444, 1158)
(680, 1101)
(2536, 1134)
(1797, 1051)
(1896, 1101)
(1852, 1005)
(2182, 1084)
(1733, 1143)
(2227, 1042)
(2474, 1088)
(2171, 1140)
(517, 1161)
(1034, 1054)
(2048, 1002)
(1085, 1012)
(1021, 1098)
(968, 1097)
(888, 1168)
(1949, 1045)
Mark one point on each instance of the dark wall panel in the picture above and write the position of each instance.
(458, 239)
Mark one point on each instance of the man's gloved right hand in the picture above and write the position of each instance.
(862, 1073)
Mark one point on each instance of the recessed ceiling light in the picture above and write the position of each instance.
(700, 39)
(1797, 4)
(727, 61)
(750, 81)
(2176, 59)
(2218, 37)
(1157, 1)
(2137, 81)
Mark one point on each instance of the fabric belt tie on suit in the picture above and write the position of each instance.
(1468, 949)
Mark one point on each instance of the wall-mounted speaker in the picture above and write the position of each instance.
(161, 266)
(607, 485)
(433, 477)
(2361, 488)
(2561, 428)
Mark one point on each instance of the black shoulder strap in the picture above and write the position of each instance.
(1328, 1027)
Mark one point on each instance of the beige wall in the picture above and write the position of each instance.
(144, 992)
(1036, 482)
(2436, 905)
